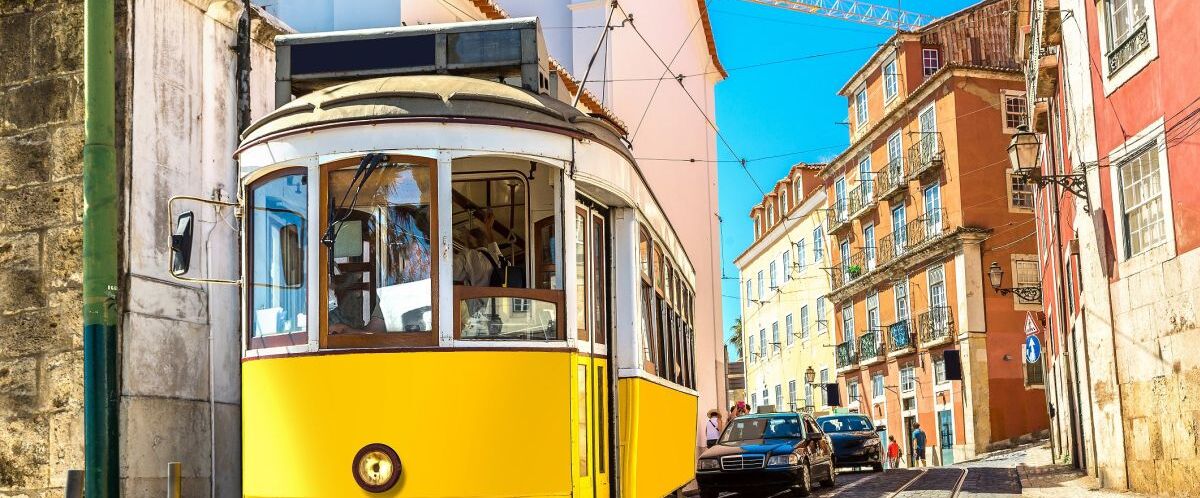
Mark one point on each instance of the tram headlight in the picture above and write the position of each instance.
(708, 464)
(376, 467)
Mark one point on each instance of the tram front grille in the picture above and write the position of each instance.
(743, 462)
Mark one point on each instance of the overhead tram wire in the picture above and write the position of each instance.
(667, 70)
(738, 68)
(756, 159)
(741, 160)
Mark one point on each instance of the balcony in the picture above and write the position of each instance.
(923, 229)
(1133, 44)
(872, 346)
(849, 269)
(846, 355)
(900, 338)
(838, 216)
(861, 199)
(935, 326)
(890, 181)
(925, 156)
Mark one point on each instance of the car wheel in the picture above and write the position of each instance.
(805, 483)
(830, 476)
(878, 467)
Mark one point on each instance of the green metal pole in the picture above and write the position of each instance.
(100, 252)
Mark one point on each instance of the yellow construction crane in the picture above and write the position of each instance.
(854, 11)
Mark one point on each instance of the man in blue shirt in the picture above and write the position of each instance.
(918, 440)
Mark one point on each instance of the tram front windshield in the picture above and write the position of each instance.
(380, 263)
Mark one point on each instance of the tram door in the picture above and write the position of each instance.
(592, 331)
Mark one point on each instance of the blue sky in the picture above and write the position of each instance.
(782, 108)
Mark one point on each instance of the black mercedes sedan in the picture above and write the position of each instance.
(762, 454)
(855, 441)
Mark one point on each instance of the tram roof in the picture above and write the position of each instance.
(433, 97)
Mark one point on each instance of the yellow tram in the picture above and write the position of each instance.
(454, 284)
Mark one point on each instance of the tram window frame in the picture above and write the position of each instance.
(581, 261)
(299, 337)
(428, 338)
(649, 336)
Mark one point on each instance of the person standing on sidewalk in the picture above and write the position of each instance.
(918, 440)
(893, 453)
(712, 428)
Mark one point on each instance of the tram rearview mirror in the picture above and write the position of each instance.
(181, 243)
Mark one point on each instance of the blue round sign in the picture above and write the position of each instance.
(1033, 349)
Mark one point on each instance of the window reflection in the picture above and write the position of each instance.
(278, 224)
(380, 259)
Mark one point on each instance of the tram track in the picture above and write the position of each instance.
(905, 483)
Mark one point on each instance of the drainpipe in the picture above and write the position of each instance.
(100, 252)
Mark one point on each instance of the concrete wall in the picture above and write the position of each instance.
(41, 142)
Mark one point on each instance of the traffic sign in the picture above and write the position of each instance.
(1033, 349)
(1030, 325)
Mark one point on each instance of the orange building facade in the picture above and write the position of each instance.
(920, 205)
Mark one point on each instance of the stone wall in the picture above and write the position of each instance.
(41, 142)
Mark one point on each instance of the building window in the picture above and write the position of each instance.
(939, 371)
(931, 61)
(852, 391)
(766, 397)
(799, 191)
(818, 245)
(1140, 187)
(774, 280)
(779, 394)
(869, 245)
(864, 180)
(749, 292)
(891, 75)
(1128, 31)
(1069, 284)
(877, 385)
(1025, 274)
(762, 343)
(1021, 192)
(761, 291)
(1014, 110)
(770, 214)
(801, 255)
(750, 350)
(775, 335)
(860, 107)
(824, 380)
(792, 393)
(753, 400)
(907, 379)
(788, 330)
(821, 328)
(808, 395)
(803, 322)
(787, 266)
(1033, 371)
(848, 323)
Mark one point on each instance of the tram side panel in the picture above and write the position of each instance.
(657, 438)
(464, 423)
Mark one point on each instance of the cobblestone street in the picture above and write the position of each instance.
(1025, 471)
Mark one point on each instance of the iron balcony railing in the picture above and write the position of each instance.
(935, 325)
(861, 197)
(890, 179)
(1130, 47)
(849, 269)
(924, 228)
(871, 345)
(925, 154)
(838, 215)
(846, 354)
(899, 336)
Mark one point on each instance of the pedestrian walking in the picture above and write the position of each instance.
(918, 440)
(712, 428)
(893, 453)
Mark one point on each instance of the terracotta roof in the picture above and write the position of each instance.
(490, 9)
(708, 36)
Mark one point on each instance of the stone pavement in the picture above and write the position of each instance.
(1041, 477)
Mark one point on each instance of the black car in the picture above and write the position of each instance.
(766, 453)
(855, 441)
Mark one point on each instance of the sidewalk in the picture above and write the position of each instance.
(1041, 477)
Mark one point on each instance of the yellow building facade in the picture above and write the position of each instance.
(786, 320)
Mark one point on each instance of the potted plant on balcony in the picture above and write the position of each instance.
(854, 270)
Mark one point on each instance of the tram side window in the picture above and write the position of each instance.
(278, 227)
(378, 243)
(650, 351)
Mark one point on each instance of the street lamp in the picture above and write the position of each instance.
(810, 375)
(996, 278)
(1023, 153)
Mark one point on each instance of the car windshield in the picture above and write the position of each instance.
(845, 424)
(748, 428)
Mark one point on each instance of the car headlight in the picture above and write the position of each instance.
(708, 464)
(788, 459)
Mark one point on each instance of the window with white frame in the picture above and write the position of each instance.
(931, 61)
(824, 380)
(803, 322)
(860, 107)
(891, 79)
(877, 385)
(766, 397)
(762, 343)
(783, 203)
(775, 336)
(761, 291)
(1025, 274)
(848, 323)
(787, 266)
(788, 330)
(1021, 192)
(751, 350)
(821, 326)
(1126, 23)
(1140, 188)
(1014, 110)
(818, 244)
(779, 394)
(801, 255)
(799, 190)
(770, 214)
(907, 379)
(939, 370)
(749, 292)
(808, 395)
(774, 281)
(865, 176)
(852, 391)
(753, 400)
(792, 393)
